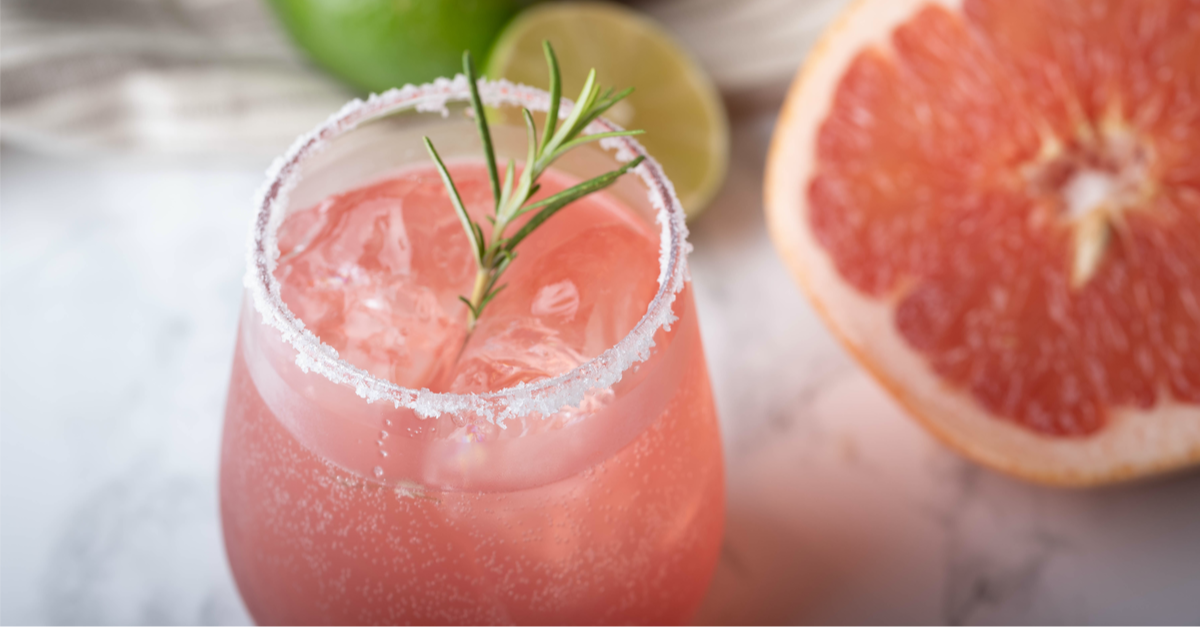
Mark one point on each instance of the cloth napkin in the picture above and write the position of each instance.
(219, 77)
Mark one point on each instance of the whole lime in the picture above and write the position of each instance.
(377, 44)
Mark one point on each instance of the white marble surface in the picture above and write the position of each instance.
(119, 282)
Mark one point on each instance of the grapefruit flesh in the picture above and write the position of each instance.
(1016, 183)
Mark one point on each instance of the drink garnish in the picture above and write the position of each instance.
(512, 196)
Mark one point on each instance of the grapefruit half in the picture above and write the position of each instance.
(995, 204)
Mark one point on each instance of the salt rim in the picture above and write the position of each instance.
(544, 397)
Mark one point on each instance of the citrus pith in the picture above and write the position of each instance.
(995, 204)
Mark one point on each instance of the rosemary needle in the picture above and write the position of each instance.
(512, 194)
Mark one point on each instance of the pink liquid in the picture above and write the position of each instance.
(375, 273)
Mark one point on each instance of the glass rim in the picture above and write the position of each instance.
(545, 397)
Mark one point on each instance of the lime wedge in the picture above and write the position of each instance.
(673, 100)
(375, 45)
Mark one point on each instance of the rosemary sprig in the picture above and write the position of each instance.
(493, 257)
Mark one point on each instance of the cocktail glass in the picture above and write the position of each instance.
(595, 496)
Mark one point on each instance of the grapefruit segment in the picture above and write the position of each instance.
(996, 204)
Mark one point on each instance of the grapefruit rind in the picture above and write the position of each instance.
(1132, 444)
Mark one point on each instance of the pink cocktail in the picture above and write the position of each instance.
(561, 463)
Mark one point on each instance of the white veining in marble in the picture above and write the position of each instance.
(119, 284)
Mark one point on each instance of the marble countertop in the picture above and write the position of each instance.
(119, 286)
